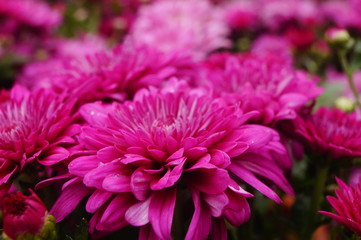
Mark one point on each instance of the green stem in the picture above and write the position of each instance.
(233, 231)
(317, 197)
(349, 73)
(178, 221)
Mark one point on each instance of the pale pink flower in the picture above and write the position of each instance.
(276, 45)
(195, 27)
(74, 47)
(174, 141)
(347, 206)
(34, 13)
(277, 13)
(266, 83)
(343, 13)
(355, 175)
(35, 128)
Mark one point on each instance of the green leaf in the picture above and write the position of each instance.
(356, 56)
(331, 93)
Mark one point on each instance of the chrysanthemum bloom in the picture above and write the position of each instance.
(116, 74)
(35, 128)
(263, 82)
(195, 27)
(31, 12)
(329, 133)
(347, 206)
(41, 74)
(170, 144)
(26, 215)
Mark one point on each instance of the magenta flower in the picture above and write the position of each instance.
(262, 82)
(330, 133)
(175, 141)
(241, 14)
(23, 215)
(43, 74)
(33, 13)
(34, 128)
(115, 74)
(176, 21)
(347, 206)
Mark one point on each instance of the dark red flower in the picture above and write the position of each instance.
(23, 214)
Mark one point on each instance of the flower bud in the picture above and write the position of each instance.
(339, 38)
(26, 217)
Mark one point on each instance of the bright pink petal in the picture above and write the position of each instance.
(68, 200)
(201, 221)
(137, 215)
(161, 210)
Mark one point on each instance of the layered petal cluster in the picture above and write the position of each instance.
(34, 128)
(347, 206)
(330, 133)
(171, 147)
(115, 74)
(195, 27)
(262, 82)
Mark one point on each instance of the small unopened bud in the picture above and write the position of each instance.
(345, 104)
(339, 38)
(26, 217)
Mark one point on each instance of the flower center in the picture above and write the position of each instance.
(16, 207)
(167, 123)
(7, 128)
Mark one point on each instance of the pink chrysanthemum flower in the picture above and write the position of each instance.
(195, 27)
(34, 128)
(263, 82)
(31, 12)
(168, 143)
(330, 133)
(347, 206)
(115, 74)
(42, 74)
